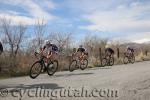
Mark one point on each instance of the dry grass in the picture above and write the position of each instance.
(21, 65)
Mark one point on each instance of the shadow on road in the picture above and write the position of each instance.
(97, 68)
(73, 74)
(34, 86)
(107, 67)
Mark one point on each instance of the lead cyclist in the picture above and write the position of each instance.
(50, 51)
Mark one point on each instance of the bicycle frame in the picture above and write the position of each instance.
(108, 57)
(129, 56)
(42, 62)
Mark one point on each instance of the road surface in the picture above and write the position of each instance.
(120, 82)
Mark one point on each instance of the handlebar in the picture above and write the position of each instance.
(36, 55)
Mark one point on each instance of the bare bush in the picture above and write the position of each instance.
(13, 35)
(39, 32)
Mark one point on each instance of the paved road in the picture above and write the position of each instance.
(120, 82)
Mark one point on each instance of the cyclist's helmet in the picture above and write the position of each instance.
(47, 42)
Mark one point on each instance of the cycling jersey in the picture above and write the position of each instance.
(54, 47)
(51, 47)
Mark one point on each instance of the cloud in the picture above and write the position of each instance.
(129, 19)
(117, 19)
(122, 19)
(47, 4)
(16, 19)
(34, 11)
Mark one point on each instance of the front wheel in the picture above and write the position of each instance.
(52, 67)
(35, 70)
(125, 60)
(84, 64)
(111, 61)
(72, 65)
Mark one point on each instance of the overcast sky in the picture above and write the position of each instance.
(114, 19)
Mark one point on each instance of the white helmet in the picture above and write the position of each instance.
(47, 42)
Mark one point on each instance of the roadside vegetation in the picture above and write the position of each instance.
(19, 48)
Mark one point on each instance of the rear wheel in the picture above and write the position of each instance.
(52, 67)
(104, 62)
(125, 60)
(132, 59)
(84, 64)
(111, 61)
(73, 65)
(35, 70)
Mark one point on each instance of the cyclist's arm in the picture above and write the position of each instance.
(49, 54)
(41, 51)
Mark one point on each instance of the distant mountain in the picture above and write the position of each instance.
(136, 45)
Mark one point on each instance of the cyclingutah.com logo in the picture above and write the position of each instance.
(70, 92)
(3, 92)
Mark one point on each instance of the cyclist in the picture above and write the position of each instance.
(1, 48)
(129, 50)
(81, 53)
(51, 51)
(108, 51)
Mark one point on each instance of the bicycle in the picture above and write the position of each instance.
(107, 60)
(78, 64)
(40, 65)
(129, 58)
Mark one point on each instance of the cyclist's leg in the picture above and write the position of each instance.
(107, 55)
(55, 56)
(49, 56)
(130, 54)
(79, 55)
(82, 57)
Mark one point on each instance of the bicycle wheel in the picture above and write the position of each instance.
(111, 61)
(35, 70)
(125, 60)
(52, 67)
(132, 60)
(73, 65)
(84, 65)
(104, 62)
